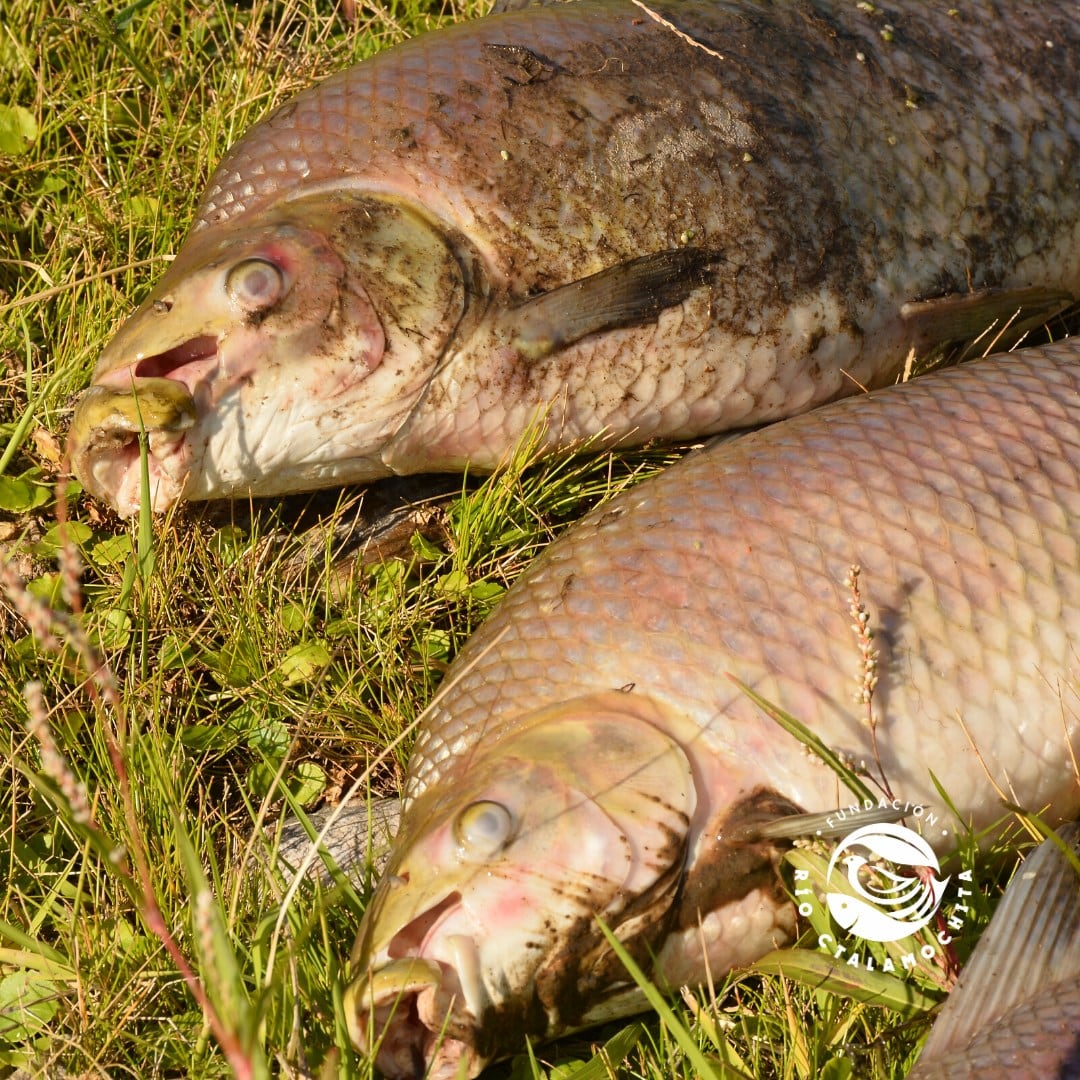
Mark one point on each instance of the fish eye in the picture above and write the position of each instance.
(255, 284)
(483, 828)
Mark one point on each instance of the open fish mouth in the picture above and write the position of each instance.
(415, 1018)
(171, 363)
(419, 1009)
(155, 395)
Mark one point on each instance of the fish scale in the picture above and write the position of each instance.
(441, 85)
(659, 220)
(589, 727)
(969, 565)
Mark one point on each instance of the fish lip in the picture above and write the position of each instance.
(384, 1013)
(420, 1002)
(104, 440)
(103, 443)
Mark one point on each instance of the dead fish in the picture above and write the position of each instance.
(658, 219)
(589, 759)
(357, 835)
(1015, 1012)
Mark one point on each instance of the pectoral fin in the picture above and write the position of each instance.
(743, 844)
(994, 318)
(825, 824)
(735, 856)
(629, 294)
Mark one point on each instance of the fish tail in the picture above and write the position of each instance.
(1017, 1004)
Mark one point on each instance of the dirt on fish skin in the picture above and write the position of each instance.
(798, 71)
(835, 166)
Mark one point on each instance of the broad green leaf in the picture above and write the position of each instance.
(261, 779)
(118, 935)
(304, 782)
(247, 719)
(142, 208)
(567, 1070)
(387, 579)
(111, 628)
(77, 533)
(234, 665)
(46, 588)
(486, 590)
(307, 783)
(294, 617)
(435, 644)
(614, 1052)
(69, 724)
(340, 628)
(455, 583)
(18, 130)
(112, 551)
(18, 495)
(425, 549)
(303, 662)
(271, 737)
(204, 737)
(52, 183)
(228, 543)
(839, 1068)
(28, 1001)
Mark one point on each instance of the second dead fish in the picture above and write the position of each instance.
(588, 759)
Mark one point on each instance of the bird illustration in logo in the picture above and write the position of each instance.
(890, 904)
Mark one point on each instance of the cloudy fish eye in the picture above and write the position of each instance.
(255, 284)
(483, 828)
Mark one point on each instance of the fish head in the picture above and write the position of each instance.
(280, 351)
(484, 929)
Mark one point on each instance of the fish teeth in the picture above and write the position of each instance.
(466, 962)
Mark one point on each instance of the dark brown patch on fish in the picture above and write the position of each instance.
(585, 969)
(496, 1034)
(517, 64)
(733, 860)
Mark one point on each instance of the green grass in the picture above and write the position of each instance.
(244, 661)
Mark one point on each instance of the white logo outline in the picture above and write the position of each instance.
(902, 907)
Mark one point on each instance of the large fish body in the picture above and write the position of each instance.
(648, 220)
(589, 758)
